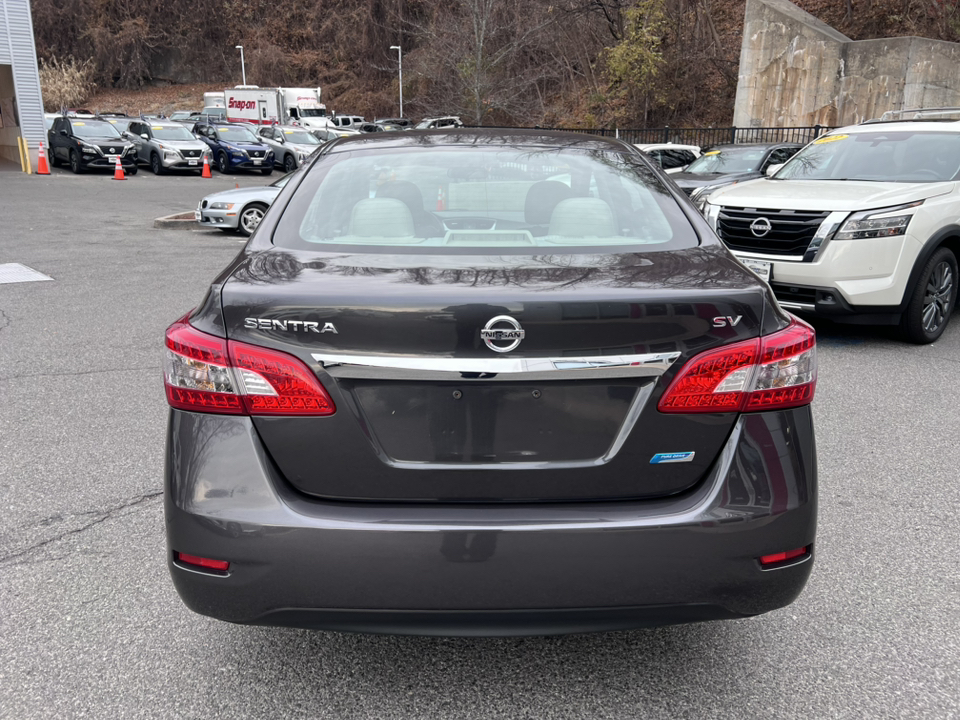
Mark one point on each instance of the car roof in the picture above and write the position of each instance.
(755, 146)
(918, 125)
(462, 137)
(665, 146)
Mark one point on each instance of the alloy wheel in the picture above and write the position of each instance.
(250, 219)
(936, 301)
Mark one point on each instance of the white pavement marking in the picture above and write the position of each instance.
(15, 273)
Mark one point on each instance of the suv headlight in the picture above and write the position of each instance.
(877, 223)
(238, 153)
(711, 213)
(87, 148)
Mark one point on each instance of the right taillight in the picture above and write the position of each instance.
(769, 373)
(204, 373)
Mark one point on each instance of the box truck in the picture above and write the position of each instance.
(266, 106)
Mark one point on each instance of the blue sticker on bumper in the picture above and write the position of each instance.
(661, 458)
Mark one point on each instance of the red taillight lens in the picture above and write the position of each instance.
(203, 373)
(197, 372)
(773, 372)
(202, 562)
(277, 384)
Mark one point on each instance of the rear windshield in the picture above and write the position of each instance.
(511, 199)
(728, 160)
(881, 156)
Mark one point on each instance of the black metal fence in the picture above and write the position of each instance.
(705, 137)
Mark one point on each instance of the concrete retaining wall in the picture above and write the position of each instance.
(798, 71)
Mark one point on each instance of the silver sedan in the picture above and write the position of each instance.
(240, 209)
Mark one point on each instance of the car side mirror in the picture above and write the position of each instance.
(63, 132)
(144, 136)
(772, 170)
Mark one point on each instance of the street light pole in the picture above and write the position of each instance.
(400, 63)
(243, 67)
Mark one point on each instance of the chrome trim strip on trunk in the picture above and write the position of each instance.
(395, 367)
(786, 305)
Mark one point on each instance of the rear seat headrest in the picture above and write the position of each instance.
(582, 217)
(381, 217)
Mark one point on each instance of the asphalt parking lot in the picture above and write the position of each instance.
(91, 626)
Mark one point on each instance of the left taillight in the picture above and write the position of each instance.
(204, 373)
(773, 372)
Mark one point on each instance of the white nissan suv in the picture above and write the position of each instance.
(862, 225)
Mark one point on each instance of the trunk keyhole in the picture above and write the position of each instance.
(536, 394)
(457, 394)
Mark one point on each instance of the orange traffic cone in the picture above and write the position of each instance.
(441, 205)
(206, 168)
(118, 170)
(42, 168)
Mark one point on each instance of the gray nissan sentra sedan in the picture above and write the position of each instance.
(476, 382)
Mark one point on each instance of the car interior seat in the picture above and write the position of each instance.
(426, 224)
(381, 218)
(582, 217)
(542, 198)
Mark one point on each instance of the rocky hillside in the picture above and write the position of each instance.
(630, 63)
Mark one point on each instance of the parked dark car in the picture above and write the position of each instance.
(235, 147)
(441, 393)
(395, 123)
(724, 165)
(89, 143)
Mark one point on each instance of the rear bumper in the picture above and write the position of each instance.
(488, 569)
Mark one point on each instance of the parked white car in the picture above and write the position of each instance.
(671, 158)
(862, 225)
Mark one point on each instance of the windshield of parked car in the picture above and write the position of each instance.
(236, 134)
(424, 125)
(300, 137)
(728, 160)
(167, 132)
(312, 112)
(93, 129)
(502, 199)
(881, 156)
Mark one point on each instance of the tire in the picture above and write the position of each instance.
(155, 164)
(54, 160)
(250, 218)
(266, 171)
(223, 164)
(932, 300)
(289, 164)
(133, 170)
(75, 167)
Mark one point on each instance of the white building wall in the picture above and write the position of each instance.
(17, 49)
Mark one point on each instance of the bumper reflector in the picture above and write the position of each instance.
(201, 562)
(781, 557)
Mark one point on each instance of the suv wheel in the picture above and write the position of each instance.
(933, 299)
(75, 165)
(267, 170)
(289, 164)
(155, 164)
(250, 218)
(223, 164)
(54, 160)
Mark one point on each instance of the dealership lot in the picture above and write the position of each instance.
(92, 626)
